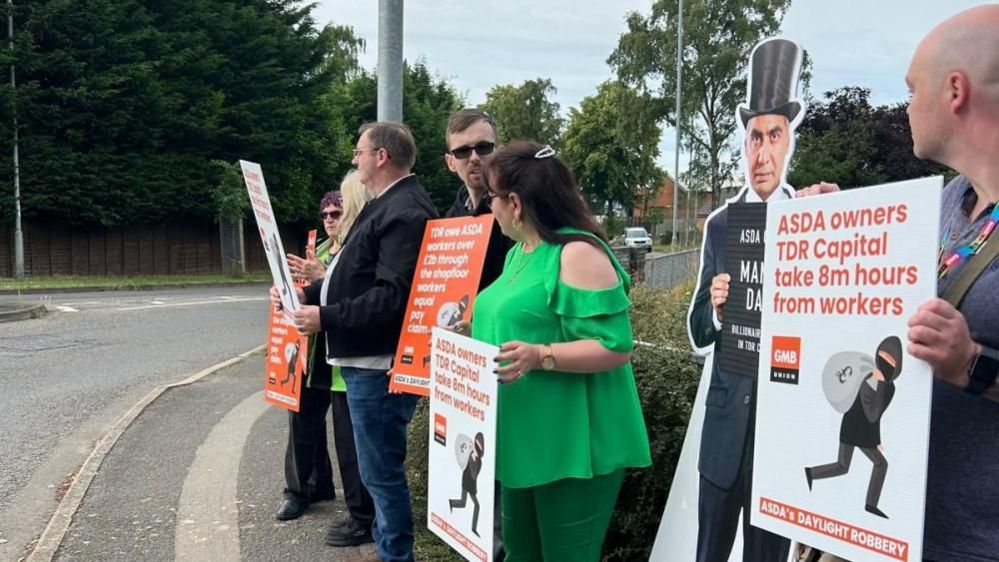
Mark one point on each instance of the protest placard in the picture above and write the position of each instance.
(462, 455)
(260, 201)
(740, 336)
(444, 287)
(287, 354)
(842, 421)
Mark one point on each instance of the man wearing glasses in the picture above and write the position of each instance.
(361, 304)
(471, 141)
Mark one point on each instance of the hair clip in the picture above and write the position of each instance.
(546, 152)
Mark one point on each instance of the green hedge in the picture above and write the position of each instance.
(667, 381)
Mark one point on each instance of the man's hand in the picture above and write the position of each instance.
(275, 295)
(939, 335)
(817, 189)
(310, 268)
(306, 319)
(719, 292)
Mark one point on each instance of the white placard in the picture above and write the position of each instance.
(843, 274)
(460, 493)
(253, 176)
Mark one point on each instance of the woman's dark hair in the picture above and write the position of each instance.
(546, 189)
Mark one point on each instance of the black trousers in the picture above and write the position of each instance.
(842, 466)
(718, 518)
(308, 470)
(358, 500)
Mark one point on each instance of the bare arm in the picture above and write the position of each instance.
(583, 266)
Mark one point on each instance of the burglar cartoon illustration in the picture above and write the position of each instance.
(861, 426)
(291, 356)
(469, 477)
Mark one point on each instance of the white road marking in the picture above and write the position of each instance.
(192, 303)
(208, 510)
(64, 308)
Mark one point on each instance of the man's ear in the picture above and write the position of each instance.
(958, 91)
(449, 160)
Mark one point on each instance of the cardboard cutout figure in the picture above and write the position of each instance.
(767, 120)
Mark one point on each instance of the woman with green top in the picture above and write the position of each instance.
(569, 418)
(308, 474)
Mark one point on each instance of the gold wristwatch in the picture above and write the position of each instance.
(548, 362)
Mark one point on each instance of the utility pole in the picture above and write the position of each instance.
(679, 77)
(390, 18)
(18, 236)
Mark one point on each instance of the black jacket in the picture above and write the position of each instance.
(499, 244)
(369, 289)
(861, 426)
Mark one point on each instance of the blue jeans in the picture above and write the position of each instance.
(380, 421)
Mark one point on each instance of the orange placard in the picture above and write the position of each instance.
(287, 354)
(444, 287)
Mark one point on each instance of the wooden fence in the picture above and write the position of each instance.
(176, 248)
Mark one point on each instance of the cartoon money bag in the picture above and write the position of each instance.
(842, 376)
(462, 450)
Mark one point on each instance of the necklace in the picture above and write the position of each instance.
(523, 260)
(957, 256)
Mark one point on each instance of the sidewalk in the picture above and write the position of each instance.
(14, 311)
(198, 476)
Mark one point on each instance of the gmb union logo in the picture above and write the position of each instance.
(785, 359)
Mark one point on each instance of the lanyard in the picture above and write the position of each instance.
(969, 249)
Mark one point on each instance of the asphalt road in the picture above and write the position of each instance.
(69, 376)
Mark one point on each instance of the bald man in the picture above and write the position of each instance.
(954, 116)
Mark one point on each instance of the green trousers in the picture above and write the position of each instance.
(564, 521)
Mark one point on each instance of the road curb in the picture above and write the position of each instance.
(48, 544)
(23, 313)
(99, 288)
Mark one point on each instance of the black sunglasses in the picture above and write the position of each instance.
(481, 149)
(331, 214)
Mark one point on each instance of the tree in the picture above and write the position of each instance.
(428, 101)
(611, 148)
(718, 38)
(845, 140)
(525, 111)
(124, 105)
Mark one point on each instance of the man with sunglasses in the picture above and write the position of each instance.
(471, 141)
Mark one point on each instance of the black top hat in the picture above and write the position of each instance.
(773, 80)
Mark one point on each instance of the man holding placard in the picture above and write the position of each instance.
(361, 304)
(954, 116)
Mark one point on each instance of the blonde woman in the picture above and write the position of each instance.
(308, 471)
(338, 210)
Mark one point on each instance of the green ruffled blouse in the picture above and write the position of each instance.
(553, 425)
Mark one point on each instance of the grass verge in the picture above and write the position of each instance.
(125, 283)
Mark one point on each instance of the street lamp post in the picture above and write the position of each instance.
(18, 236)
(390, 17)
(676, 159)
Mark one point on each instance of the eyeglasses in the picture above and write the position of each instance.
(359, 151)
(481, 149)
(332, 214)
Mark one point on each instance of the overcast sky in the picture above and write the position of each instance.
(477, 45)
